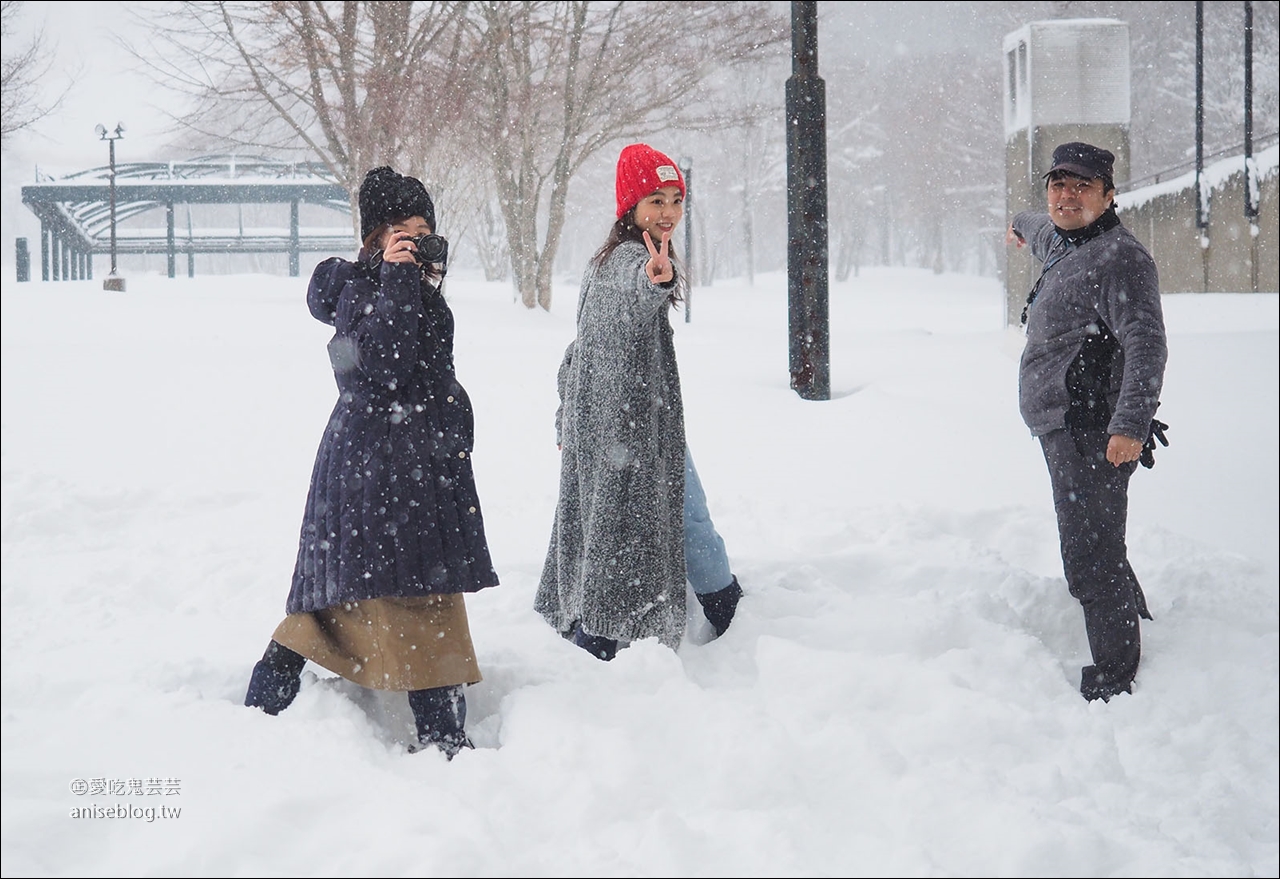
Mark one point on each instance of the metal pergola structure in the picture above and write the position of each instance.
(75, 212)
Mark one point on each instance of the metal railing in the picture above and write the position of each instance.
(1260, 143)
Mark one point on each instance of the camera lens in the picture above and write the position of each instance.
(431, 249)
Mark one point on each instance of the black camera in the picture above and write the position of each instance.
(431, 250)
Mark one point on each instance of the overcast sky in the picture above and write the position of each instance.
(107, 88)
(104, 88)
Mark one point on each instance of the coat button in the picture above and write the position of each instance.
(462, 454)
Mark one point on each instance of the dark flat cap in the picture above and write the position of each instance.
(1083, 160)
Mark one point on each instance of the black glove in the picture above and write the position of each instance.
(1148, 455)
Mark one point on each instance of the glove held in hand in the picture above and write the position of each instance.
(1148, 454)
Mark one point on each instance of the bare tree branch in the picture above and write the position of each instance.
(21, 75)
(558, 82)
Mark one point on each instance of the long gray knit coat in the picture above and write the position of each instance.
(616, 557)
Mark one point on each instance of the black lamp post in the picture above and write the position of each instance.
(807, 295)
(113, 281)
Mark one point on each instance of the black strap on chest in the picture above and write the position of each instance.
(1035, 288)
(1070, 240)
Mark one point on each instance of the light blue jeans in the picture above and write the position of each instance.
(706, 564)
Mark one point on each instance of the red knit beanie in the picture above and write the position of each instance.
(643, 170)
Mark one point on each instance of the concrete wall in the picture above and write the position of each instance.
(1234, 256)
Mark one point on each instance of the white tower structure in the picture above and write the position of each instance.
(1064, 80)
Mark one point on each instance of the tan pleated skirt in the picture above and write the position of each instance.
(388, 643)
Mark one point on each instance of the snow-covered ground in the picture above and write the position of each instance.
(898, 696)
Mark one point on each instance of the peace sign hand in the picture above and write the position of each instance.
(658, 268)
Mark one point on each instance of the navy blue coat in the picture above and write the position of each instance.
(392, 509)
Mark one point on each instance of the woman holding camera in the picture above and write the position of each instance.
(392, 535)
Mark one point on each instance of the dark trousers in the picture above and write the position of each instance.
(1091, 499)
(440, 713)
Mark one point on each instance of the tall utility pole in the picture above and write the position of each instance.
(807, 299)
(1250, 171)
(1202, 213)
(1250, 166)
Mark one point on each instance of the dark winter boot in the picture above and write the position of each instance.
(275, 680)
(1115, 642)
(597, 646)
(721, 605)
(440, 715)
(1095, 684)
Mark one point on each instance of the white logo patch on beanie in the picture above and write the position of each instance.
(667, 173)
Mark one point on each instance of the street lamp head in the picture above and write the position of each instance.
(119, 129)
(100, 130)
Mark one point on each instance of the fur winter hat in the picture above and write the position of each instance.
(641, 171)
(386, 196)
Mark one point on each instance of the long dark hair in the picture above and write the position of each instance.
(625, 229)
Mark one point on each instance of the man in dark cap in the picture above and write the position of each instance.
(1089, 384)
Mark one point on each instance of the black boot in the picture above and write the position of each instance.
(721, 605)
(1115, 642)
(597, 646)
(440, 714)
(275, 680)
(1095, 684)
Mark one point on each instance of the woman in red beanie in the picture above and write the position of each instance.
(631, 525)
